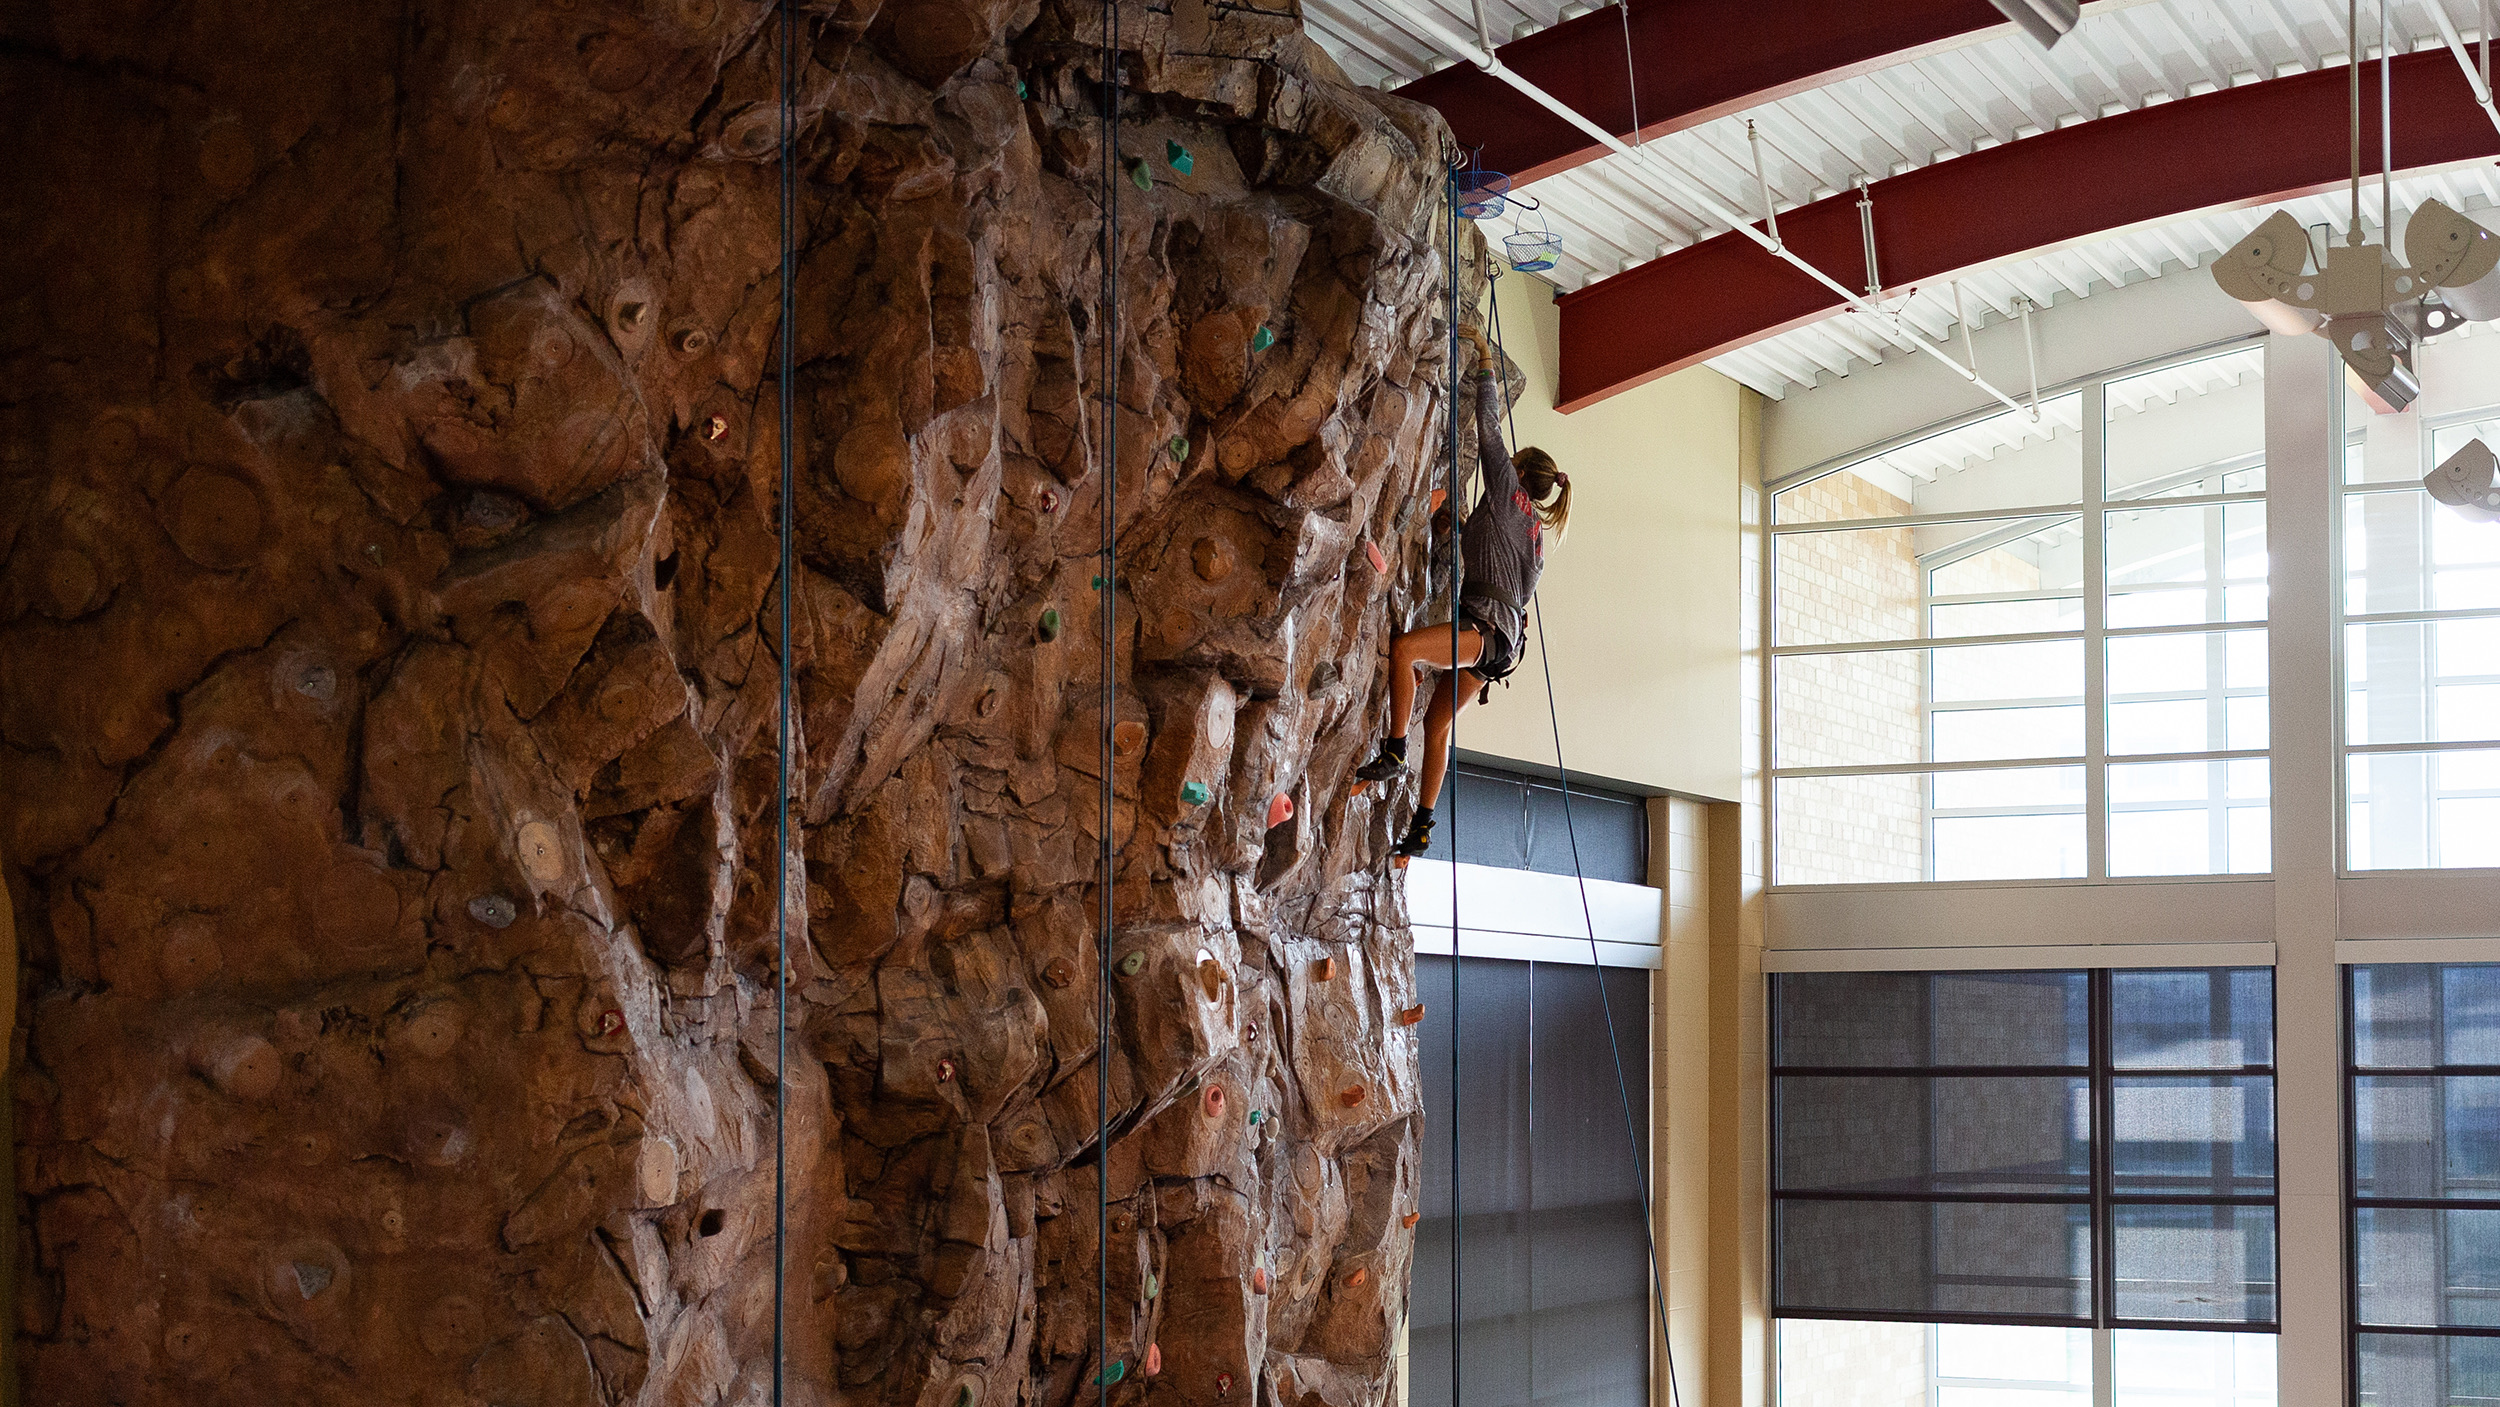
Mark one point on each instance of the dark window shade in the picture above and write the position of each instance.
(1937, 1260)
(1554, 1266)
(1921, 1020)
(2042, 1147)
(1515, 822)
(2425, 1170)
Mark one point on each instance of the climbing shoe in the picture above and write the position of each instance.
(1391, 762)
(1418, 837)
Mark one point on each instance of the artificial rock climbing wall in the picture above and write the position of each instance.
(388, 678)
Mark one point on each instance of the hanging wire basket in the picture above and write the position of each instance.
(1532, 246)
(1482, 194)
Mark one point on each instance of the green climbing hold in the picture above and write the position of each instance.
(1049, 628)
(1112, 1374)
(1021, 92)
(1098, 583)
(1138, 175)
(1178, 448)
(1154, 1286)
(1262, 339)
(1258, 1116)
(1178, 155)
(963, 1394)
(1195, 793)
(1133, 964)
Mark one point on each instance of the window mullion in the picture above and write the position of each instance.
(2095, 650)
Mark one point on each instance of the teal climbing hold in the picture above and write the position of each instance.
(1258, 1116)
(1133, 964)
(1112, 1374)
(1195, 793)
(1138, 175)
(1262, 339)
(1178, 155)
(1049, 627)
(1178, 448)
(1021, 92)
(1098, 583)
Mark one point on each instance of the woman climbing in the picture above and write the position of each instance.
(1503, 551)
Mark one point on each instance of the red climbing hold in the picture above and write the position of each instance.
(1214, 1101)
(715, 427)
(611, 1022)
(1050, 500)
(1380, 563)
(1279, 811)
(1223, 1384)
(946, 1071)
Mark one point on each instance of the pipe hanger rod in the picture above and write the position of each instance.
(1432, 28)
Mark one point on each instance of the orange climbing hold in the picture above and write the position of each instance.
(1379, 563)
(1351, 1095)
(1412, 1016)
(1258, 1280)
(1324, 970)
(1355, 1281)
(1408, 1221)
(1279, 811)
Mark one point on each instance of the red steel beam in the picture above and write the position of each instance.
(1697, 60)
(2236, 147)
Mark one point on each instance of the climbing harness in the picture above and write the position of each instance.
(781, 748)
(1106, 590)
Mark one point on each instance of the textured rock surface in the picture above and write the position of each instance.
(388, 682)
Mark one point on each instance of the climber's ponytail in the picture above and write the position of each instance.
(1549, 488)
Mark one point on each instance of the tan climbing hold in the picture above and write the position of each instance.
(1060, 973)
(1212, 558)
(1211, 978)
(214, 518)
(241, 1067)
(655, 1172)
(1128, 739)
(541, 851)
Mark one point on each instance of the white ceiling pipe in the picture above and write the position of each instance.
(2473, 71)
(1702, 200)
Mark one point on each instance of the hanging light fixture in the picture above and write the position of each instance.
(2373, 306)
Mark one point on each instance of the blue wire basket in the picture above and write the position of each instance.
(1532, 247)
(1482, 194)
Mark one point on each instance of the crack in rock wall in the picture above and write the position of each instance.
(389, 660)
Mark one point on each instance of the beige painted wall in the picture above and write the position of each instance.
(1641, 597)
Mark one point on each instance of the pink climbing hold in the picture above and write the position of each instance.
(1380, 563)
(1214, 1101)
(1258, 1280)
(1279, 811)
(1154, 1359)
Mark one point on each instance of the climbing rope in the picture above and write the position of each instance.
(781, 786)
(1106, 588)
(1614, 1043)
(1458, 1008)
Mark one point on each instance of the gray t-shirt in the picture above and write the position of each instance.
(1503, 543)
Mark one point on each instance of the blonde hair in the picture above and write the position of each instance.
(1540, 476)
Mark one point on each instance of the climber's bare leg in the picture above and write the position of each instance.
(1429, 645)
(1447, 703)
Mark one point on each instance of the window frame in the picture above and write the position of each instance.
(2093, 510)
(2341, 619)
(2102, 1073)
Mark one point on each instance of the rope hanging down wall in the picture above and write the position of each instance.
(1107, 582)
(781, 786)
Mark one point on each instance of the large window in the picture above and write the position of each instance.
(2031, 648)
(1988, 1183)
(2425, 1098)
(2421, 662)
